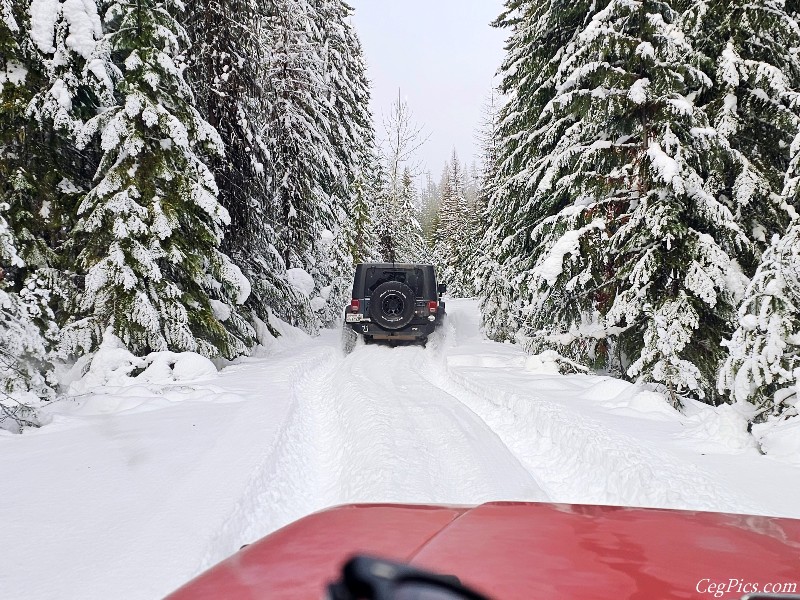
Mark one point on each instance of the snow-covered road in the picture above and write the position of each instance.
(133, 489)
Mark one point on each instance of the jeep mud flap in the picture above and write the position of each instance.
(349, 339)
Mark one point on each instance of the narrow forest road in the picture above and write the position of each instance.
(466, 420)
(132, 490)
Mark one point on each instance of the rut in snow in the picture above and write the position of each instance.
(576, 458)
(415, 425)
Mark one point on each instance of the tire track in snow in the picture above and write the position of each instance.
(360, 430)
(401, 439)
(577, 459)
(401, 425)
(284, 487)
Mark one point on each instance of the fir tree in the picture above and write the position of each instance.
(754, 103)
(69, 77)
(362, 241)
(24, 370)
(227, 69)
(69, 36)
(763, 366)
(677, 244)
(25, 312)
(398, 229)
(430, 196)
(409, 242)
(20, 76)
(540, 33)
(456, 234)
(150, 229)
(351, 138)
(486, 280)
(295, 131)
(347, 92)
(627, 246)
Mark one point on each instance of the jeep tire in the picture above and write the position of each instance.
(392, 305)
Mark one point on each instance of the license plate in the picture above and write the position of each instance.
(354, 318)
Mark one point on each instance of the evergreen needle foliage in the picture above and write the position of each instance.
(176, 174)
(637, 179)
(151, 227)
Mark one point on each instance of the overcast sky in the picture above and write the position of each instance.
(442, 55)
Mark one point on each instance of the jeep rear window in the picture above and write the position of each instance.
(413, 278)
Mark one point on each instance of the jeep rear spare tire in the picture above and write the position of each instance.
(392, 305)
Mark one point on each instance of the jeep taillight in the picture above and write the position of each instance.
(355, 305)
(432, 306)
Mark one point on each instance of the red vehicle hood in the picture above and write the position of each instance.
(521, 551)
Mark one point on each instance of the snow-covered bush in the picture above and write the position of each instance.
(113, 365)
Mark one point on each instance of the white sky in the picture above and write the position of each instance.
(443, 56)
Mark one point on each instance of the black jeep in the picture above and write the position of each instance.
(395, 302)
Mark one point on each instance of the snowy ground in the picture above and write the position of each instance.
(138, 485)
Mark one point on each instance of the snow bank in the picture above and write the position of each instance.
(288, 336)
(780, 440)
(599, 440)
(717, 429)
(113, 365)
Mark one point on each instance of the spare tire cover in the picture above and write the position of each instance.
(392, 305)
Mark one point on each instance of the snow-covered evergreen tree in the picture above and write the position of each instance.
(619, 239)
(487, 277)
(754, 104)
(677, 245)
(68, 77)
(20, 76)
(226, 72)
(24, 370)
(397, 222)
(28, 177)
(539, 35)
(347, 95)
(25, 313)
(69, 35)
(362, 239)
(430, 196)
(296, 128)
(763, 365)
(352, 140)
(400, 237)
(287, 88)
(150, 229)
(764, 362)
(296, 131)
(456, 235)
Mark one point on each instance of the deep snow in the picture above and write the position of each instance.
(138, 484)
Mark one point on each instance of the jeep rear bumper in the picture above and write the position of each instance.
(414, 330)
